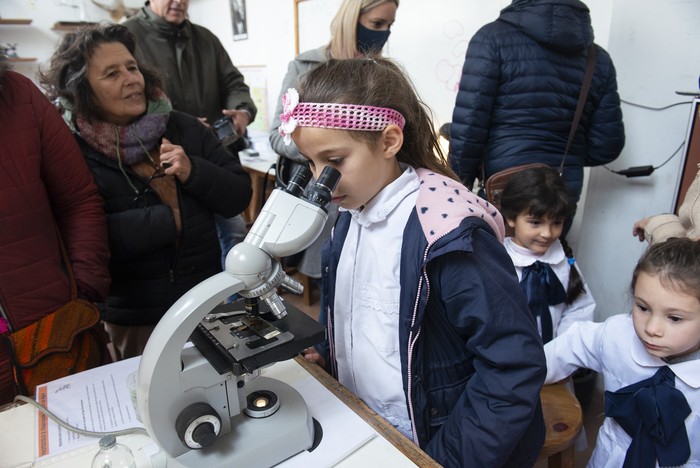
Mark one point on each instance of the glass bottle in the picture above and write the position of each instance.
(113, 454)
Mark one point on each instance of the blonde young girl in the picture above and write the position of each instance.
(425, 319)
(650, 360)
(535, 204)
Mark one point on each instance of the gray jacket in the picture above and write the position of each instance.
(200, 77)
(297, 67)
(310, 263)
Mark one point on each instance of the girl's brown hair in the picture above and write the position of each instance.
(379, 82)
(676, 262)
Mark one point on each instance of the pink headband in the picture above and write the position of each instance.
(332, 115)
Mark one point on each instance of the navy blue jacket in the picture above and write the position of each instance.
(517, 96)
(471, 357)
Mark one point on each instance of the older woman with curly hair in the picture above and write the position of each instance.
(162, 175)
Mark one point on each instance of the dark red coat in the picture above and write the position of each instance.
(45, 184)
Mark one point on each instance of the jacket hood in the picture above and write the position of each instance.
(443, 203)
(562, 25)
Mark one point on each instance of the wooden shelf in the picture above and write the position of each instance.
(21, 59)
(15, 21)
(70, 25)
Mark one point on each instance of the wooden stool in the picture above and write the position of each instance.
(309, 286)
(563, 418)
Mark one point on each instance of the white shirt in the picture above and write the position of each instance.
(613, 349)
(367, 301)
(563, 315)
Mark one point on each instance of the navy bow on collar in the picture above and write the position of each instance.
(653, 412)
(542, 289)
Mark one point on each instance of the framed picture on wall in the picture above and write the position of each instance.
(239, 20)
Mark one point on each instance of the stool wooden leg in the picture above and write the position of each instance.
(563, 459)
(308, 294)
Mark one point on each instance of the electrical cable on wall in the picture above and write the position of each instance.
(642, 106)
(643, 171)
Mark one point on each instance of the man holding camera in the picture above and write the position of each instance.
(201, 80)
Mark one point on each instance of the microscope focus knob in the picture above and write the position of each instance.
(204, 434)
(198, 425)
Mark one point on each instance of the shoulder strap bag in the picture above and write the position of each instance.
(64, 342)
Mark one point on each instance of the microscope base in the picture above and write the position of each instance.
(260, 442)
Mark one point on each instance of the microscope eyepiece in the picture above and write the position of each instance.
(320, 194)
(298, 180)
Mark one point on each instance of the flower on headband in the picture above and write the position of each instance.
(290, 100)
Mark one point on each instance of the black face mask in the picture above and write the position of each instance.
(369, 40)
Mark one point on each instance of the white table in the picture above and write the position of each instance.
(18, 433)
(258, 167)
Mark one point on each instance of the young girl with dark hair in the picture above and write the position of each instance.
(535, 204)
(425, 319)
(649, 360)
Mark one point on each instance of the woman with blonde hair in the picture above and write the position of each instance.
(360, 27)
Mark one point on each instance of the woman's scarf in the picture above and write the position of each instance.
(128, 144)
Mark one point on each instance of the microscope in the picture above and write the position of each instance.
(207, 405)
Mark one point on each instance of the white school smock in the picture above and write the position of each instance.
(583, 307)
(613, 349)
(367, 301)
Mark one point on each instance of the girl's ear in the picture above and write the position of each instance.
(511, 222)
(392, 139)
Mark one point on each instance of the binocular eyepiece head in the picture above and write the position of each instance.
(320, 192)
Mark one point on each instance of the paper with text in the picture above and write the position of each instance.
(96, 400)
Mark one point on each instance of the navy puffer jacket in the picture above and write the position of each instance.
(517, 96)
(471, 358)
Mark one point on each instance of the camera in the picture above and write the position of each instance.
(224, 131)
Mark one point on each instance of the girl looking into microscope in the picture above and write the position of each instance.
(423, 310)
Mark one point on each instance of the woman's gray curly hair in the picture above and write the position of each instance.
(66, 75)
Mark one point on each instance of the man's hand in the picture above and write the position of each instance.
(241, 119)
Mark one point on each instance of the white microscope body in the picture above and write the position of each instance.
(201, 416)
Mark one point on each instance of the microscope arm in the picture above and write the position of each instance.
(160, 393)
(171, 379)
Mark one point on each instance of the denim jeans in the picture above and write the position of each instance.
(231, 231)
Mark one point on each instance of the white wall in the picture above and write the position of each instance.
(37, 39)
(653, 44)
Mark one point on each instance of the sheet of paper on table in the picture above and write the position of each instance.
(260, 147)
(100, 399)
(95, 400)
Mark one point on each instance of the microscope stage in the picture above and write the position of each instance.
(240, 343)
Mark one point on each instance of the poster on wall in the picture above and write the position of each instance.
(256, 79)
(238, 17)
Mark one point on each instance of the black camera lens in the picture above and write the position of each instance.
(224, 130)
